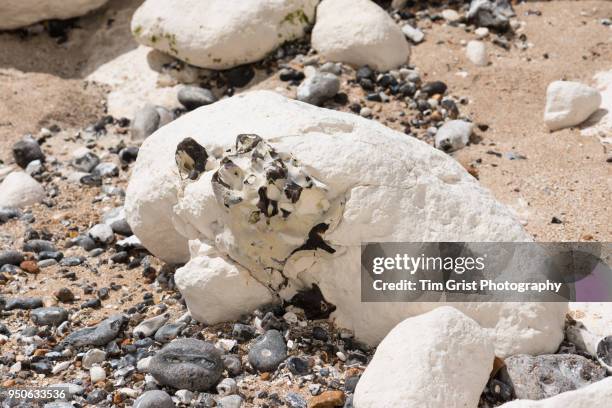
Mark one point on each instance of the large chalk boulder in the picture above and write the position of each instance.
(439, 359)
(359, 32)
(569, 104)
(220, 34)
(19, 190)
(20, 13)
(288, 179)
(595, 395)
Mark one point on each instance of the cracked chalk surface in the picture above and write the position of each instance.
(359, 182)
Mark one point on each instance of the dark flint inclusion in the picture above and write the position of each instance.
(264, 203)
(195, 152)
(293, 192)
(313, 303)
(315, 241)
(246, 142)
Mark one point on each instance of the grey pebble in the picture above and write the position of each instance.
(49, 316)
(188, 363)
(192, 97)
(11, 257)
(268, 351)
(146, 121)
(98, 335)
(26, 151)
(154, 399)
(318, 88)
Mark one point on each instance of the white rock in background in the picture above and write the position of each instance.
(133, 81)
(600, 123)
(384, 190)
(220, 34)
(594, 395)
(453, 135)
(595, 316)
(438, 359)
(414, 34)
(229, 288)
(451, 15)
(359, 32)
(20, 13)
(569, 104)
(476, 52)
(19, 190)
(481, 32)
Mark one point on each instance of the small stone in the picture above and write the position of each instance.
(476, 52)
(39, 245)
(117, 220)
(491, 14)
(29, 267)
(149, 326)
(99, 335)
(106, 170)
(319, 333)
(451, 15)
(72, 261)
(192, 97)
(232, 364)
(328, 399)
(332, 68)
(91, 304)
(168, 332)
(365, 112)
(26, 151)
(93, 356)
(227, 386)
(453, 135)
(243, 332)
(481, 32)
(49, 316)
(240, 76)
(413, 34)
(102, 233)
(23, 303)
(19, 190)
(268, 351)
(184, 396)
(230, 401)
(129, 154)
(298, 365)
(83, 241)
(97, 395)
(544, 376)
(146, 121)
(11, 257)
(59, 367)
(64, 295)
(295, 400)
(364, 72)
(569, 104)
(318, 88)
(290, 74)
(434, 88)
(96, 374)
(84, 160)
(187, 364)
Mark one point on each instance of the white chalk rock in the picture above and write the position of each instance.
(229, 288)
(594, 395)
(359, 32)
(476, 52)
(439, 359)
(220, 34)
(595, 316)
(132, 81)
(19, 190)
(453, 135)
(21, 13)
(369, 183)
(569, 104)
